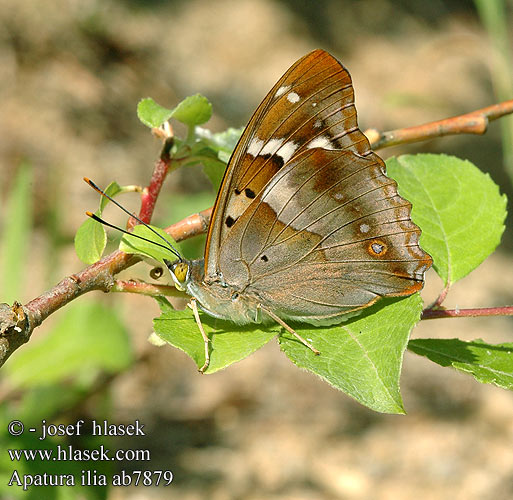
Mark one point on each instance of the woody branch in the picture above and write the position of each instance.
(18, 321)
(475, 122)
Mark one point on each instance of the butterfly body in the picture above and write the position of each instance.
(218, 298)
(306, 225)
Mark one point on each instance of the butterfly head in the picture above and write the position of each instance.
(179, 270)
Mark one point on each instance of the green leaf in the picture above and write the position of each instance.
(151, 113)
(90, 241)
(221, 141)
(16, 234)
(164, 304)
(488, 363)
(152, 248)
(213, 152)
(229, 343)
(458, 207)
(362, 356)
(112, 190)
(91, 237)
(223, 144)
(214, 170)
(193, 110)
(88, 337)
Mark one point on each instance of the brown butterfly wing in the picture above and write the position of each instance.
(306, 221)
(328, 235)
(312, 105)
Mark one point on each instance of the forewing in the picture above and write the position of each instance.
(311, 106)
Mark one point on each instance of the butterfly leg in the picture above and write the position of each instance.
(206, 340)
(291, 330)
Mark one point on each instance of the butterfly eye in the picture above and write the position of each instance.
(180, 271)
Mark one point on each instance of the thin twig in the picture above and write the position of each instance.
(467, 313)
(475, 122)
(193, 225)
(143, 288)
(150, 194)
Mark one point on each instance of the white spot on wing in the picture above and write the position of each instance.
(279, 147)
(271, 146)
(287, 150)
(255, 146)
(282, 90)
(320, 142)
(293, 97)
(317, 124)
(276, 146)
(314, 104)
(364, 228)
(280, 191)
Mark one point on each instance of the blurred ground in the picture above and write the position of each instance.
(72, 74)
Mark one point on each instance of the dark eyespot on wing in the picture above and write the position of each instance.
(377, 248)
(230, 221)
(264, 258)
(249, 193)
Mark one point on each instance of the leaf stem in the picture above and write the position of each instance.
(438, 302)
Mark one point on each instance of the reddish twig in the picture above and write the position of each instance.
(467, 313)
(150, 194)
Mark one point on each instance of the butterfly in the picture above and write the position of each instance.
(306, 226)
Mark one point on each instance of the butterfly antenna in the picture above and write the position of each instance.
(105, 223)
(168, 245)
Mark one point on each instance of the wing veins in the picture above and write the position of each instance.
(320, 249)
(332, 210)
(284, 120)
(345, 261)
(315, 172)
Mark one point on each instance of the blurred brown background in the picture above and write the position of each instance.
(72, 73)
